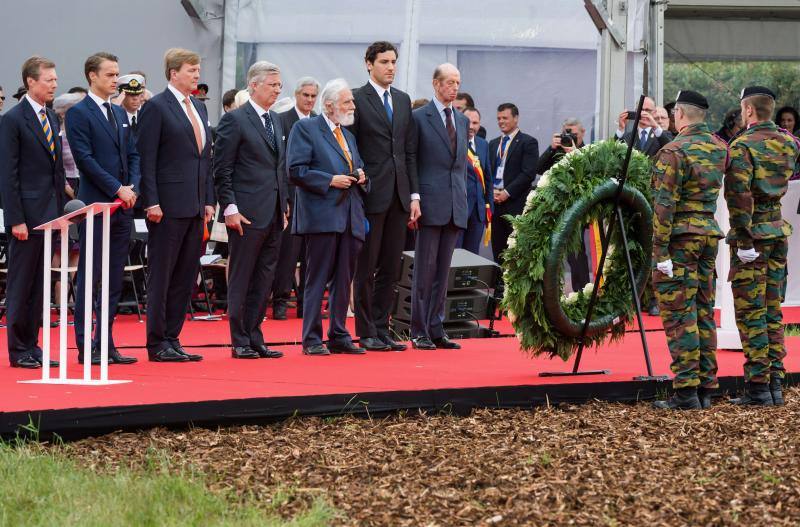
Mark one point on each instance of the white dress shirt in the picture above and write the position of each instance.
(381, 91)
(38, 108)
(657, 131)
(181, 97)
(300, 114)
(100, 102)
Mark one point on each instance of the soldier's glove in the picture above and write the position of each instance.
(747, 255)
(665, 267)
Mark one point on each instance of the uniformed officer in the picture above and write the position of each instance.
(762, 159)
(132, 86)
(688, 174)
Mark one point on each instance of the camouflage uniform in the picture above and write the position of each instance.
(688, 175)
(762, 159)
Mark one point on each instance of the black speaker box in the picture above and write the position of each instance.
(467, 271)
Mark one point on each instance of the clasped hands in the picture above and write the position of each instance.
(345, 181)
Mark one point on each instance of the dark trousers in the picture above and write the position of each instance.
(251, 269)
(378, 269)
(330, 260)
(501, 230)
(579, 266)
(433, 255)
(174, 246)
(290, 252)
(470, 239)
(24, 292)
(120, 237)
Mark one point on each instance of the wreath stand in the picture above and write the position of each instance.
(605, 240)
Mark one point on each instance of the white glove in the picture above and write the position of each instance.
(747, 255)
(665, 267)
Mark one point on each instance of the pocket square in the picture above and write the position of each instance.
(124, 125)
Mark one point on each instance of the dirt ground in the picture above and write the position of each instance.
(594, 464)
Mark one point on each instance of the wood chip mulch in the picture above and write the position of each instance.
(594, 464)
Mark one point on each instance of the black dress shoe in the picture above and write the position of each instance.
(265, 353)
(423, 343)
(317, 349)
(279, 312)
(393, 344)
(166, 355)
(95, 357)
(684, 399)
(193, 357)
(114, 357)
(345, 348)
(445, 343)
(243, 352)
(373, 344)
(26, 362)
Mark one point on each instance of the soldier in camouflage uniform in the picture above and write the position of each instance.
(688, 175)
(762, 159)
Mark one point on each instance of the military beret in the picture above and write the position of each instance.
(693, 98)
(757, 90)
(132, 84)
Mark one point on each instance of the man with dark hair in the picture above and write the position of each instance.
(479, 186)
(32, 188)
(515, 158)
(104, 149)
(229, 100)
(386, 140)
(463, 101)
(202, 92)
(78, 89)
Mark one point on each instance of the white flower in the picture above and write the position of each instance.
(544, 180)
(531, 198)
(570, 298)
(512, 317)
(512, 241)
(588, 288)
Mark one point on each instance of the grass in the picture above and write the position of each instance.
(42, 486)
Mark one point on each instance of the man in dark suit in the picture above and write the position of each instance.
(249, 166)
(305, 95)
(386, 138)
(104, 149)
(442, 170)
(325, 166)
(514, 156)
(650, 137)
(32, 188)
(479, 186)
(174, 143)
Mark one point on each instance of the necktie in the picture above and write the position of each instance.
(499, 159)
(472, 146)
(387, 106)
(340, 139)
(451, 130)
(110, 115)
(133, 122)
(270, 131)
(48, 133)
(642, 139)
(198, 136)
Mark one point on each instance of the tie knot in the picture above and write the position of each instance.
(447, 111)
(107, 105)
(386, 95)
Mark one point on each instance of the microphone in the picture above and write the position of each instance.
(73, 205)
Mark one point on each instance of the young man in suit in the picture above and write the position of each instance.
(174, 143)
(32, 188)
(386, 140)
(249, 166)
(325, 165)
(442, 171)
(479, 186)
(305, 95)
(104, 149)
(515, 159)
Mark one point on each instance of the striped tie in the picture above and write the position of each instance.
(48, 133)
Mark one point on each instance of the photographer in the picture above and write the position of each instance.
(570, 138)
(650, 137)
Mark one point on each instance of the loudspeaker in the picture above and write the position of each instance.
(467, 271)
(471, 304)
(455, 330)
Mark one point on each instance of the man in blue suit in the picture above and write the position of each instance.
(174, 142)
(324, 164)
(479, 185)
(442, 171)
(32, 188)
(104, 149)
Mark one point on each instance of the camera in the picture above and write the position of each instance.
(631, 115)
(568, 138)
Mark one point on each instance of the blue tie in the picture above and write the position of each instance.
(499, 158)
(387, 106)
(642, 139)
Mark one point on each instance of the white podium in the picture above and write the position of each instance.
(62, 224)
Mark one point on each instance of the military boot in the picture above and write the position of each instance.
(776, 387)
(683, 399)
(755, 394)
(704, 395)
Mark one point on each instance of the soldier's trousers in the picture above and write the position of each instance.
(757, 292)
(687, 310)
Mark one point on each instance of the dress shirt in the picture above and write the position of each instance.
(440, 108)
(300, 114)
(657, 131)
(132, 115)
(38, 108)
(381, 90)
(333, 127)
(100, 102)
(181, 97)
(511, 137)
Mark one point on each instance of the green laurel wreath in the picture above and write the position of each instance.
(574, 192)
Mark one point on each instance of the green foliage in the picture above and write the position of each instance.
(571, 179)
(721, 83)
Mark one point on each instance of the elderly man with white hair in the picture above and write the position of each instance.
(324, 164)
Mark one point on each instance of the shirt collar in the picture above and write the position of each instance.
(300, 114)
(331, 124)
(36, 106)
(513, 134)
(131, 115)
(100, 102)
(259, 110)
(440, 106)
(178, 95)
(380, 89)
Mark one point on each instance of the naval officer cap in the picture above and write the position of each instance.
(751, 91)
(692, 98)
(131, 84)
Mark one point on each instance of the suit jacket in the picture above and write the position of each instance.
(31, 182)
(288, 118)
(479, 194)
(174, 174)
(314, 157)
(105, 158)
(653, 144)
(388, 149)
(442, 173)
(522, 161)
(247, 171)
